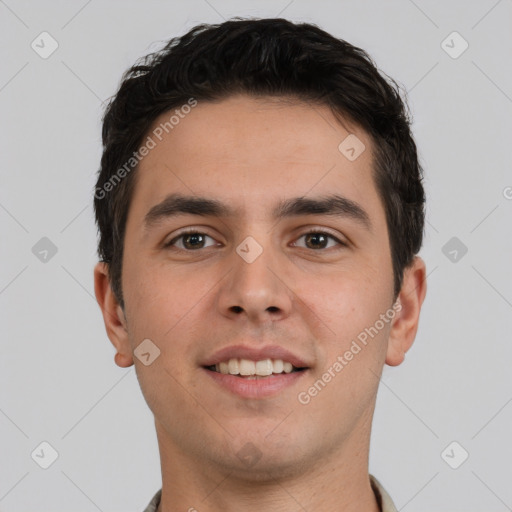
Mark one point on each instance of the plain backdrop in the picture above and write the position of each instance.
(451, 399)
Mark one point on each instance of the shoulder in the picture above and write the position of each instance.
(153, 504)
(384, 499)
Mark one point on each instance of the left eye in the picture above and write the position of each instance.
(319, 239)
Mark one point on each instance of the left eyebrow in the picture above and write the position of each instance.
(333, 205)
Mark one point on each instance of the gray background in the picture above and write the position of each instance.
(58, 380)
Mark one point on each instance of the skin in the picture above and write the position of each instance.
(310, 298)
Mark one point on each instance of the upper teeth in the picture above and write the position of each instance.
(248, 367)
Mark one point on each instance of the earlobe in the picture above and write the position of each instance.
(405, 324)
(113, 316)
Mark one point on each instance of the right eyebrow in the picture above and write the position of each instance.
(177, 204)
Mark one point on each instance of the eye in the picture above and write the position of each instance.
(189, 241)
(316, 239)
(192, 240)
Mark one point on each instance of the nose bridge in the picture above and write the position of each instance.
(254, 286)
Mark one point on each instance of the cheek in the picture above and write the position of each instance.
(349, 306)
(345, 301)
(155, 301)
(160, 308)
(167, 307)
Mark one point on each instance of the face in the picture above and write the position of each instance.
(290, 251)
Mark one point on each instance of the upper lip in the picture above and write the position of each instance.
(255, 354)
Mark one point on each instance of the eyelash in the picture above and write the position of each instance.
(192, 231)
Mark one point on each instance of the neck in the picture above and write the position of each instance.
(338, 481)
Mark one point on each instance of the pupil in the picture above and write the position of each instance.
(193, 236)
(317, 236)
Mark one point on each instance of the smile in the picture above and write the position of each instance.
(254, 379)
(248, 368)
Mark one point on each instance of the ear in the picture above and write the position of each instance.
(113, 316)
(405, 324)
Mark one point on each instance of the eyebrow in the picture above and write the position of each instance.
(332, 205)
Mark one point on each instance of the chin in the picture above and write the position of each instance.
(258, 456)
(268, 469)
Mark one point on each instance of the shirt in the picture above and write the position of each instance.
(383, 499)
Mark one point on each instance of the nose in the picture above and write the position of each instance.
(256, 289)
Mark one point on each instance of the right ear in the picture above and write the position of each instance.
(113, 316)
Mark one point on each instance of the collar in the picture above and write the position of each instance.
(383, 499)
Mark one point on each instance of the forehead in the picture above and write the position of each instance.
(253, 152)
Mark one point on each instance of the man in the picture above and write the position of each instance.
(260, 210)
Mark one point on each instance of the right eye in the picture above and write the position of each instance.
(190, 240)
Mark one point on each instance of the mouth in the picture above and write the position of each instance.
(254, 379)
(248, 369)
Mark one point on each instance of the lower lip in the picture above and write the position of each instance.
(256, 388)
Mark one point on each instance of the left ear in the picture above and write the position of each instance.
(405, 324)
